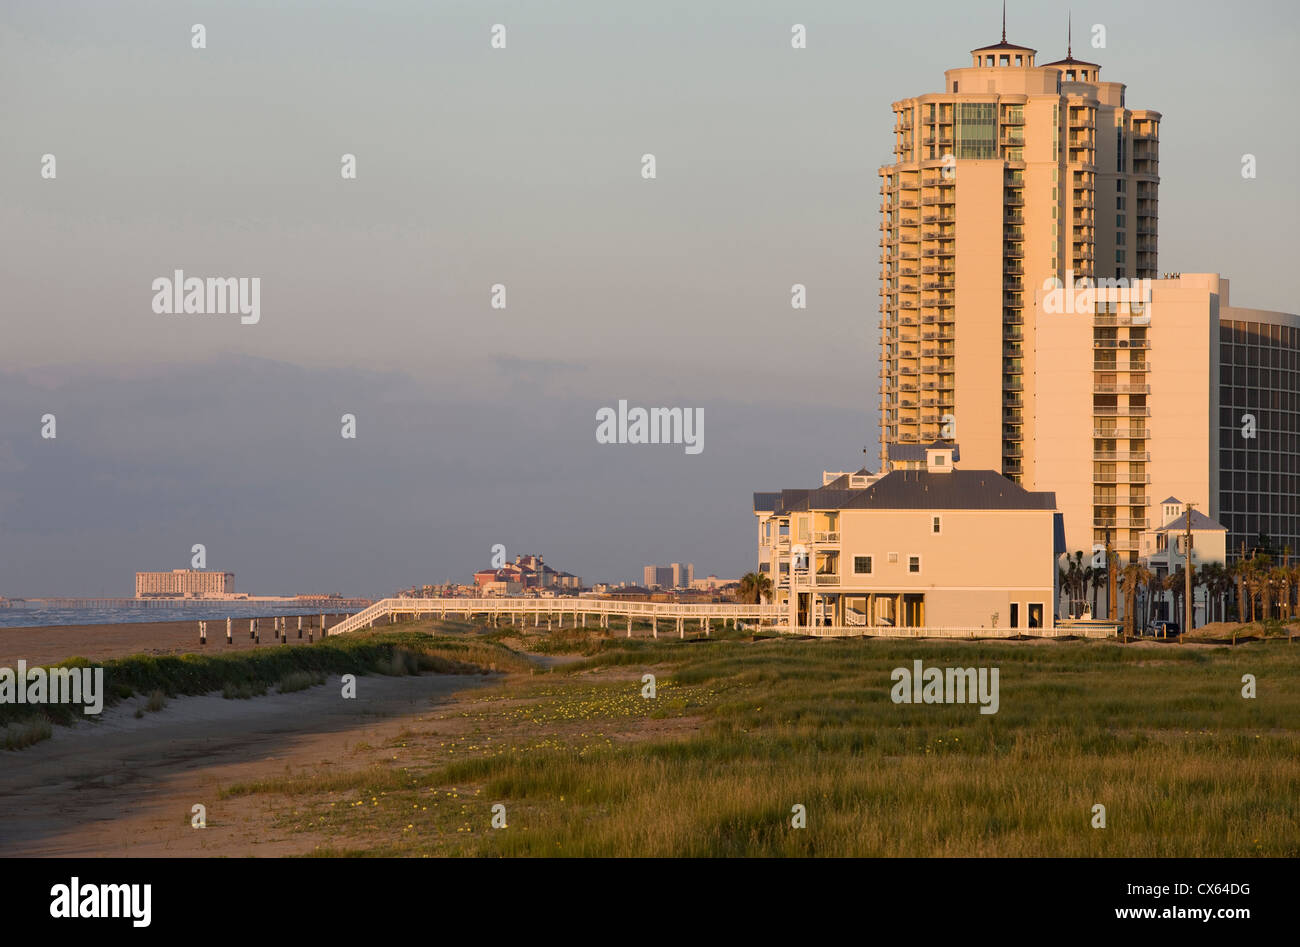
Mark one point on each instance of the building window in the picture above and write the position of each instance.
(914, 564)
(936, 524)
(862, 565)
(976, 130)
(1035, 614)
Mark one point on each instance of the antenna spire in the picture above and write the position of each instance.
(1004, 21)
(1069, 35)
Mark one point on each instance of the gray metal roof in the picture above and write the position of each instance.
(917, 451)
(1199, 521)
(916, 490)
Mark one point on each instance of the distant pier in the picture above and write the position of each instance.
(312, 603)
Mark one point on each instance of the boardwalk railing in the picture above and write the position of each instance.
(889, 631)
(702, 616)
(551, 608)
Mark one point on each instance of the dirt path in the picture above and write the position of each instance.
(126, 786)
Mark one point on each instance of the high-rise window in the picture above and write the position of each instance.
(976, 130)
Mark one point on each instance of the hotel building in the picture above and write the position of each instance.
(1013, 173)
(1018, 177)
(183, 583)
(1166, 389)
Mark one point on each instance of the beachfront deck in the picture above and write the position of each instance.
(678, 617)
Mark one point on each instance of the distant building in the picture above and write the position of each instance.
(183, 583)
(710, 583)
(526, 574)
(677, 575)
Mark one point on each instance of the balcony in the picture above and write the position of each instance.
(1120, 478)
(1113, 522)
(1109, 499)
(1118, 411)
(1131, 456)
(1121, 343)
(1121, 319)
(1106, 389)
(826, 537)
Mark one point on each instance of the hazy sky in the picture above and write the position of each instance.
(522, 167)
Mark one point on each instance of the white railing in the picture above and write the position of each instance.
(605, 608)
(889, 631)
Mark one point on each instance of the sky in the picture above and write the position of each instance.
(519, 166)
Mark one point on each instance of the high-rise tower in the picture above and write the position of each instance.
(1014, 174)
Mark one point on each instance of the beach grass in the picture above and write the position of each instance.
(741, 734)
(246, 674)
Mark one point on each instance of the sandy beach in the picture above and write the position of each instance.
(126, 786)
(48, 644)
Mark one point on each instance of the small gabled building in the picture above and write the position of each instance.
(923, 545)
(1165, 551)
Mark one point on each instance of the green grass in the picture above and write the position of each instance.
(1161, 737)
(300, 681)
(246, 674)
(22, 734)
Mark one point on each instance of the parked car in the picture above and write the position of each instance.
(1163, 629)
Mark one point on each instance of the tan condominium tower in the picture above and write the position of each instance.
(1015, 173)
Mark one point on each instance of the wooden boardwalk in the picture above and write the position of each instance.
(679, 617)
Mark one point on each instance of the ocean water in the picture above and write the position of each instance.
(19, 615)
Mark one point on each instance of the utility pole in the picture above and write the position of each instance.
(1111, 561)
(1189, 607)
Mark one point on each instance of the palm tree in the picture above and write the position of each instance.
(1134, 576)
(1096, 577)
(1205, 577)
(1240, 572)
(1294, 582)
(1279, 583)
(755, 587)
(1261, 563)
(1220, 584)
(1175, 584)
(1284, 580)
(1154, 585)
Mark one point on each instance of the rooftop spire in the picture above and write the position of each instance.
(1004, 21)
(1069, 34)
